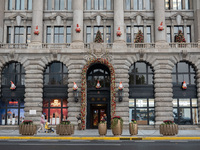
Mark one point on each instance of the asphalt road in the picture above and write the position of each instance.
(97, 145)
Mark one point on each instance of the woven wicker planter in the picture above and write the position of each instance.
(117, 130)
(168, 129)
(133, 129)
(27, 129)
(63, 129)
(102, 127)
(72, 127)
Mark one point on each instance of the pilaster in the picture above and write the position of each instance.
(163, 93)
(77, 38)
(1, 19)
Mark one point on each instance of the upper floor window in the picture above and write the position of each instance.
(98, 5)
(20, 4)
(177, 4)
(59, 34)
(106, 39)
(59, 4)
(19, 35)
(138, 4)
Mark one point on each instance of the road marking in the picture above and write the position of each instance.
(70, 144)
(144, 141)
(179, 141)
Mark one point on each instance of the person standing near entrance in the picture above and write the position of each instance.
(42, 122)
(79, 122)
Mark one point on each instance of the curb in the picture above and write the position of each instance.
(98, 138)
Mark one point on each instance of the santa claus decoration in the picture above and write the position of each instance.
(120, 86)
(78, 29)
(36, 32)
(160, 28)
(119, 33)
(75, 87)
(184, 86)
(98, 86)
(12, 87)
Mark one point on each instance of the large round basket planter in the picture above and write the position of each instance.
(168, 129)
(63, 129)
(102, 127)
(27, 129)
(117, 130)
(133, 129)
(72, 127)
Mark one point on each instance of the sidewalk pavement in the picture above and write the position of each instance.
(94, 135)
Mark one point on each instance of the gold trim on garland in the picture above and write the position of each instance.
(83, 87)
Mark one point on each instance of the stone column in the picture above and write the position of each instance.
(1, 19)
(77, 38)
(37, 20)
(163, 93)
(159, 9)
(197, 21)
(119, 42)
(33, 91)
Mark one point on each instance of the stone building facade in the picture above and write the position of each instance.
(152, 97)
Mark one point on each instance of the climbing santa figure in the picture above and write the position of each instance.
(160, 28)
(12, 87)
(98, 86)
(75, 87)
(120, 86)
(184, 86)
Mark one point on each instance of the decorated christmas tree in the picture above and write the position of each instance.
(180, 37)
(139, 37)
(98, 38)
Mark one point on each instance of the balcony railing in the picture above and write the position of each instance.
(183, 45)
(107, 45)
(56, 45)
(140, 45)
(10, 46)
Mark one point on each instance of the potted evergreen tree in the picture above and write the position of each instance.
(139, 39)
(180, 39)
(168, 127)
(117, 125)
(133, 127)
(102, 127)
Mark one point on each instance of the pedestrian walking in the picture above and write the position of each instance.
(42, 123)
(79, 122)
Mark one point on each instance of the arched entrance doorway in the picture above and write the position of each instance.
(98, 98)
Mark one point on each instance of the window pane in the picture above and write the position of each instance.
(140, 67)
(179, 4)
(108, 4)
(194, 102)
(185, 116)
(12, 117)
(2, 116)
(55, 116)
(128, 4)
(175, 103)
(56, 4)
(141, 79)
(49, 4)
(62, 4)
(192, 76)
(17, 4)
(184, 102)
(141, 116)
(95, 4)
(69, 5)
(151, 116)
(135, 5)
(148, 5)
(140, 4)
(182, 67)
(186, 4)
(183, 77)
(22, 4)
(151, 102)
(12, 103)
(174, 81)
(9, 4)
(29, 4)
(88, 4)
(141, 102)
(56, 67)
(150, 79)
(131, 102)
(101, 5)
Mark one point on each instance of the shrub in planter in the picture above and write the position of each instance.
(117, 125)
(102, 127)
(27, 128)
(133, 127)
(64, 128)
(168, 127)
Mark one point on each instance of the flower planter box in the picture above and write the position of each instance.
(102, 127)
(133, 129)
(72, 127)
(168, 129)
(117, 130)
(27, 129)
(63, 129)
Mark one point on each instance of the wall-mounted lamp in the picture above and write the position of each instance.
(120, 92)
(75, 92)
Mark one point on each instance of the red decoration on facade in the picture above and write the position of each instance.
(12, 87)
(78, 29)
(84, 87)
(119, 33)
(184, 86)
(160, 28)
(98, 86)
(75, 87)
(120, 86)
(36, 32)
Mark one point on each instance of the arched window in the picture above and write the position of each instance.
(141, 93)
(55, 93)
(12, 101)
(185, 109)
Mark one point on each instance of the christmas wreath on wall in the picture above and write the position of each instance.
(84, 87)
